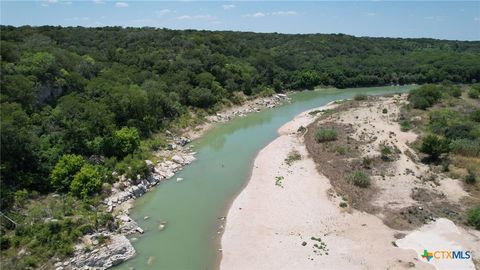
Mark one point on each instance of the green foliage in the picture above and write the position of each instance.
(133, 165)
(367, 163)
(405, 125)
(471, 178)
(125, 141)
(359, 179)
(86, 182)
(475, 115)
(343, 204)
(384, 111)
(474, 217)
(465, 147)
(325, 135)
(455, 91)
(292, 157)
(425, 96)
(473, 93)
(64, 171)
(451, 124)
(306, 80)
(278, 181)
(201, 97)
(386, 152)
(434, 146)
(68, 90)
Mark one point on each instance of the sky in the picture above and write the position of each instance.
(454, 20)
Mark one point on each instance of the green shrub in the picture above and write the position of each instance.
(325, 135)
(386, 152)
(133, 165)
(473, 217)
(434, 146)
(465, 147)
(5, 242)
(367, 163)
(343, 204)
(459, 130)
(359, 179)
(341, 150)
(473, 93)
(86, 182)
(475, 115)
(360, 97)
(64, 171)
(125, 141)
(471, 178)
(301, 129)
(455, 91)
(384, 110)
(86, 228)
(405, 125)
(425, 96)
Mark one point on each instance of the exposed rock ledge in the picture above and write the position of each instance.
(116, 251)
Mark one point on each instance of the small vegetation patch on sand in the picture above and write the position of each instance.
(359, 97)
(278, 181)
(301, 129)
(320, 247)
(474, 217)
(292, 157)
(359, 179)
(325, 135)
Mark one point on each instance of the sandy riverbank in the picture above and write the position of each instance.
(298, 224)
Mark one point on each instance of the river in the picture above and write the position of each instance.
(192, 207)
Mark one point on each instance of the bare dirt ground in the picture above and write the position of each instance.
(405, 192)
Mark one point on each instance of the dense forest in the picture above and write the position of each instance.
(78, 103)
(97, 91)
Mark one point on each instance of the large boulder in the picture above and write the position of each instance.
(118, 250)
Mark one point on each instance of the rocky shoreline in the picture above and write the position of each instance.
(111, 246)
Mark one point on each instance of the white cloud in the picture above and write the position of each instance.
(46, 3)
(100, 2)
(370, 14)
(477, 19)
(121, 4)
(275, 13)
(258, 14)
(196, 17)
(228, 7)
(163, 12)
(284, 13)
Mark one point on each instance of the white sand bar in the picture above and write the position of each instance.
(267, 224)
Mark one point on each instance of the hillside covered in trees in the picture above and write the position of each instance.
(87, 91)
(78, 103)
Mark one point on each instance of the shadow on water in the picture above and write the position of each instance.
(224, 160)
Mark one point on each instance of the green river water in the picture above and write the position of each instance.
(224, 159)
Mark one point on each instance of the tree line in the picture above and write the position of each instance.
(76, 102)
